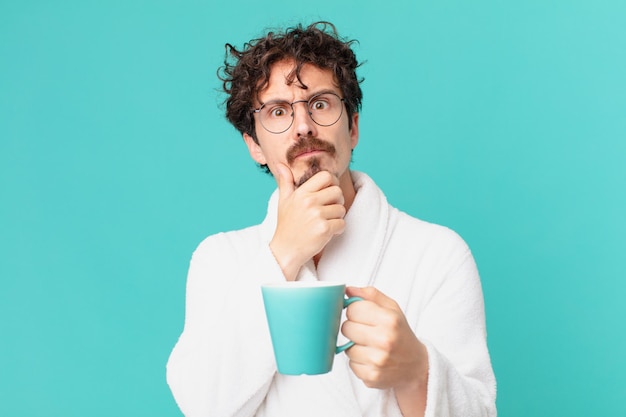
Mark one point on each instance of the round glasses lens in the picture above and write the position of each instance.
(325, 109)
(276, 117)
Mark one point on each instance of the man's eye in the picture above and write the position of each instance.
(278, 112)
(319, 105)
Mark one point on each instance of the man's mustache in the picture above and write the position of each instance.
(308, 144)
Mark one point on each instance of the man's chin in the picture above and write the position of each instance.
(314, 168)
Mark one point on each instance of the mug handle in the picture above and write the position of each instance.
(346, 303)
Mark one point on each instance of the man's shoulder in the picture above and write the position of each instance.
(231, 241)
(418, 230)
(405, 224)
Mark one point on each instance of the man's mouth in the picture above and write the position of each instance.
(309, 152)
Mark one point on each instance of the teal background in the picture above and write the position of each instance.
(503, 120)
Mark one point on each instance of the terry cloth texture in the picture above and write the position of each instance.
(223, 364)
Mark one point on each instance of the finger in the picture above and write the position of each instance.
(330, 195)
(358, 354)
(324, 197)
(363, 355)
(372, 294)
(336, 226)
(356, 332)
(333, 211)
(322, 179)
(365, 312)
(284, 179)
(370, 375)
(325, 229)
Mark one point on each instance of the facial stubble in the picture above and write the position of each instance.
(314, 168)
(308, 144)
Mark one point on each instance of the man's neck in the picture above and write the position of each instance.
(347, 186)
(349, 193)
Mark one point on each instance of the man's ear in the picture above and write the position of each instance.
(255, 150)
(354, 130)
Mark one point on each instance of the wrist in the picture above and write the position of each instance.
(411, 394)
(289, 264)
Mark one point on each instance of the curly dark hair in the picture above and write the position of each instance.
(246, 72)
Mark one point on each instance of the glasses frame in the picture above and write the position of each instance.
(293, 112)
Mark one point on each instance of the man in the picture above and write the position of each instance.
(420, 339)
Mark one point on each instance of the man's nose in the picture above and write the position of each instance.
(302, 121)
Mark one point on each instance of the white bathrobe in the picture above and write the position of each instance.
(223, 363)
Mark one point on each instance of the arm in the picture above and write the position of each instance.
(452, 326)
(435, 360)
(386, 354)
(223, 363)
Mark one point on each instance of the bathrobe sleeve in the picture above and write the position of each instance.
(461, 382)
(208, 372)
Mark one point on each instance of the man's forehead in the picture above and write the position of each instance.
(284, 82)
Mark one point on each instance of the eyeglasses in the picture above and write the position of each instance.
(276, 117)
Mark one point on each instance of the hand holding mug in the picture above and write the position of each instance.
(386, 354)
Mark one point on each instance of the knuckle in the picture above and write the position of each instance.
(372, 378)
(336, 190)
(338, 194)
(308, 201)
(381, 359)
(386, 343)
(388, 338)
(340, 226)
(368, 383)
(352, 311)
(370, 292)
(323, 228)
(326, 177)
(394, 321)
(317, 211)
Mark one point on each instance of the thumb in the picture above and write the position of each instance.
(284, 179)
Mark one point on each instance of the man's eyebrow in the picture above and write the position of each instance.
(313, 94)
